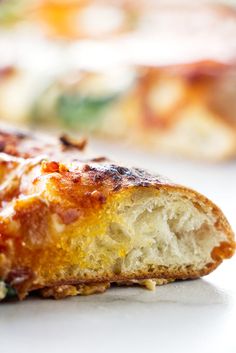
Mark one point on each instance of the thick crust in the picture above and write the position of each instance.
(159, 277)
(44, 180)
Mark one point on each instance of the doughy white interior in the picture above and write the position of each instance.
(166, 229)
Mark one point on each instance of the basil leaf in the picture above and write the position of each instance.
(79, 110)
(6, 291)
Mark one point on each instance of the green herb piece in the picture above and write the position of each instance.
(78, 110)
(6, 291)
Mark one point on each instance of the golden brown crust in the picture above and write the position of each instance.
(68, 290)
(78, 189)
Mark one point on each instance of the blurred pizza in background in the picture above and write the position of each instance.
(162, 76)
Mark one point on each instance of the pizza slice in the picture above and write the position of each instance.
(72, 225)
